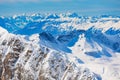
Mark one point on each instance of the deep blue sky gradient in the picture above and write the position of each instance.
(83, 7)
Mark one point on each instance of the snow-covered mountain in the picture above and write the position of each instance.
(60, 47)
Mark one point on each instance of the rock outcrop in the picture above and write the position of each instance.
(22, 59)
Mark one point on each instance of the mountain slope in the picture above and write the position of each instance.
(23, 59)
(60, 47)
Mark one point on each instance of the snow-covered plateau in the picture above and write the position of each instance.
(60, 47)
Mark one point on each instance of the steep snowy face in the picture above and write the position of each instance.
(26, 59)
(103, 39)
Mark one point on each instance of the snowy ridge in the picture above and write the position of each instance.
(61, 47)
(22, 59)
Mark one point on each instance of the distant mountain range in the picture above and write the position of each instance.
(60, 47)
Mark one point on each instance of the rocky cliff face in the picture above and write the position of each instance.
(25, 59)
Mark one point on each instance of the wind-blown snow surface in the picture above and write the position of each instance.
(49, 43)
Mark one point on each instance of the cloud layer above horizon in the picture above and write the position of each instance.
(8, 7)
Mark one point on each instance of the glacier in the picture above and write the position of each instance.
(60, 47)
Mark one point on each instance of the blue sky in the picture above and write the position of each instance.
(83, 7)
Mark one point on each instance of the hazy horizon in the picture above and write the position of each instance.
(83, 7)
